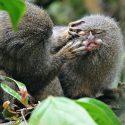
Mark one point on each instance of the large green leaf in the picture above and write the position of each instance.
(15, 8)
(60, 111)
(99, 111)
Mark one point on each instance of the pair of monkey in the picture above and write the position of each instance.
(82, 59)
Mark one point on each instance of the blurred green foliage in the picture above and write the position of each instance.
(65, 11)
(15, 8)
(69, 10)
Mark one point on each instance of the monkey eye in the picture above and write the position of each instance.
(98, 31)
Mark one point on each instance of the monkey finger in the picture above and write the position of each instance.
(74, 29)
(85, 43)
(82, 33)
(72, 33)
(68, 45)
(69, 37)
(98, 41)
(75, 44)
(83, 48)
(76, 23)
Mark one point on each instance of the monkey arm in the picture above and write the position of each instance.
(59, 38)
(46, 70)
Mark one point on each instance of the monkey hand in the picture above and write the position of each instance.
(75, 29)
(89, 40)
(72, 49)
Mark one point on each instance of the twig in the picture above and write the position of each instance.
(23, 117)
(39, 102)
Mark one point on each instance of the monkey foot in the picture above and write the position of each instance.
(110, 101)
(115, 98)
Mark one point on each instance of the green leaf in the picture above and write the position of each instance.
(15, 8)
(7, 89)
(24, 99)
(19, 84)
(9, 112)
(60, 111)
(99, 111)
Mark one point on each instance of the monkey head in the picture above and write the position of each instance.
(95, 31)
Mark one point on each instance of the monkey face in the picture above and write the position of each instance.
(89, 38)
(94, 31)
